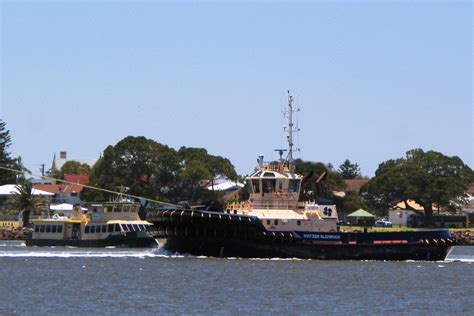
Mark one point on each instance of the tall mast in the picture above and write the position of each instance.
(290, 133)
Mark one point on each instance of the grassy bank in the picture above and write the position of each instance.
(395, 229)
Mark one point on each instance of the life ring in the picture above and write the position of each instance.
(279, 193)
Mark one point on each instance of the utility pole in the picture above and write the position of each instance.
(42, 169)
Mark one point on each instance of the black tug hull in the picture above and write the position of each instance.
(214, 234)
(256, 249)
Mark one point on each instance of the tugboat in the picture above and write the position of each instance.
(274, 223)
(105, 224)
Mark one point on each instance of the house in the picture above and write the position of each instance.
(63, 192)
(229, 188)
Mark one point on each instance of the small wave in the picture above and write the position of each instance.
(465, 260)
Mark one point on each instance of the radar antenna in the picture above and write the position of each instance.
(291, 130)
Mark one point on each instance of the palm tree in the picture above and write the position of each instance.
(24, 201)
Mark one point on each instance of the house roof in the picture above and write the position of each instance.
(413, 205)
(60, 188)
(225, 186)
(77, 178)
(354, 185)
(9, 189)
(360, 213)
(470, 189)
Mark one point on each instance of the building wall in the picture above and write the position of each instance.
(399, 217)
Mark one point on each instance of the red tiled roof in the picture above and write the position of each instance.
(59, 188)
(470, 189)
(354, 185)
(76, 178)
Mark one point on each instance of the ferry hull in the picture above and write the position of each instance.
(247, 249)
(117, 241)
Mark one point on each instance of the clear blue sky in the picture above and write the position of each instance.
(372, 79)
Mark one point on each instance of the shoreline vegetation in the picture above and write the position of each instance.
(463, 237)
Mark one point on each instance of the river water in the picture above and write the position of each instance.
(39, 281)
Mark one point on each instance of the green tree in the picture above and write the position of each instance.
(24, 201)
(312, 171)
(429, 178)
(6, 176)
(72, 167)
(351, 202)
(156, 171)
(349, 170)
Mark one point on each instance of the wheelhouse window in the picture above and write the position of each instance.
(110, 228)
(54, 228)
(42, 228)
(60, 228)
(276, 222)
(249, 187)
(268, 185)
(294, 185)
(92, 230)
(298, 222)
(117, 228)
(48, 228)
(37, 228)
(256, 185)
(268, 222)
(104, 228)
(87, 229)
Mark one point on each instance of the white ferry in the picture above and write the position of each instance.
(105, 224)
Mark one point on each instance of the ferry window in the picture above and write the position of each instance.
(298, 222)
(280, 185)
(268, 185)
(117, 228)
(104, 228)
(269, 174)
(37, 229)
(110, 228)
(54, 228)
(294, 186)
(60, 228)
(92, 229)
(42, 228)
(268, 222)
(86, 230)
(48, 229)
(276, 222)
(256, 185)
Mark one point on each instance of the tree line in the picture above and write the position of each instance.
(144, 167)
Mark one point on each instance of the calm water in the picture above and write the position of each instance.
(148, 281)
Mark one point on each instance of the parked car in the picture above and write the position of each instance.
(383, 223)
